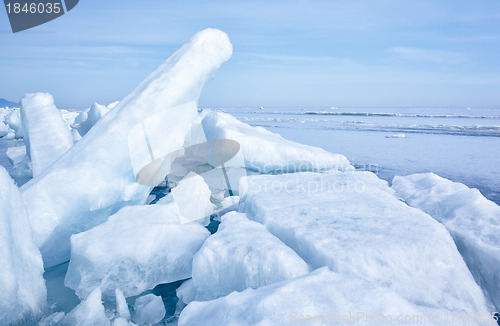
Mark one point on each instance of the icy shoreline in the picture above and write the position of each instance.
(152, 196)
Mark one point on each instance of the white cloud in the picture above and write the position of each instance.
(429, 56)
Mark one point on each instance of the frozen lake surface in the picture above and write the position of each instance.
(461, 144)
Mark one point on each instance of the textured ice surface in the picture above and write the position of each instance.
(23, 294)
(192, 197)
(45, 133)
(13, 120)
(227, 205)
(95, 178)
(4, 127)
(16, 155)
(239, 255)
(231, 201)
(320, 297)
(265, 151)
(353, 223)
(21, 165)
(89, 312)
(68, 117)
(121, 305)
(52, 319)
(149, 309)
(87, 119)
(136, 249)
(122, 311)
(120, 321)
(473, 222)
(186, 294)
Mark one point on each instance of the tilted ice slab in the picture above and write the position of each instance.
(265, 151)
(134, 250)
(45, 133)
(96, 177)
(317, 298)
(239, 255)
(472, 220)
(23, 293)
(353, 223)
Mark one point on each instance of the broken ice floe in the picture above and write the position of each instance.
(95, 177)
(472, 220)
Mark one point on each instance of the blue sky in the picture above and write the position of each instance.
(316, 53)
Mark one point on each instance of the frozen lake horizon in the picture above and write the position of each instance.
(455, 143)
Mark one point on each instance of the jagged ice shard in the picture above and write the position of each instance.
(45, 134)
(95, 178)
(23, 294)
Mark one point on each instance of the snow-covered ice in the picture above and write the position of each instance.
(21, 164)
(353, 223)
(89, 312)
(134, 250)
(453, 142)
(231, 201)
(227, 205)
(45, 134)
(69, 117)
(4, 127)
(239, 255)
(265, 151)
(23, 294)
(472, 220)
(122, 322)
(149, 309)
(21, 170)
(95, 177)
(87, 119)
(13, 120)
(192, 197)
(16, 155)
(320, 297)
(396, 136)
(303, 248)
